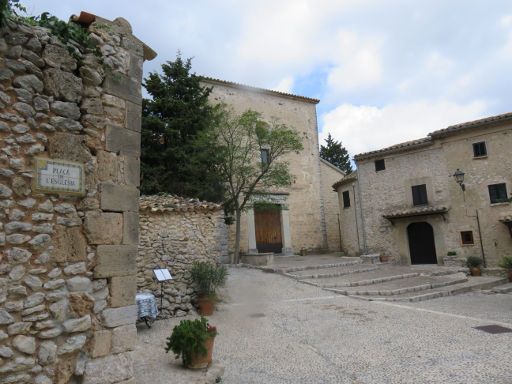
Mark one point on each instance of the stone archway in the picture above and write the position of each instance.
(422, 245)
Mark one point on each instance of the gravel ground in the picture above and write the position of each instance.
(273, 329)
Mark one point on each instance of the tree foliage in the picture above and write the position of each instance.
(172, 159)
(238, 142)
(336, 154)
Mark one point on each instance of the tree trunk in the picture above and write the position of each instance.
(236, 253)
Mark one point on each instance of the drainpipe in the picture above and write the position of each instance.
(481, 239)
(363, 226)
(355, 215)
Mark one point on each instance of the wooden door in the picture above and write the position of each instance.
(268, 229)
(421, 243)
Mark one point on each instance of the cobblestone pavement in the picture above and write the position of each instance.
(275, 330)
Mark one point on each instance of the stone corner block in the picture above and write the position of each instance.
(131, 228)
(115, 260)
(124, 338)
(122, 140)
(101, 343)
(104, 227)
(116, 317)
(109, 369)
(119, 198)
(125, 87)
(123, 290)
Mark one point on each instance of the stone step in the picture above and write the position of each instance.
(345, 261)
(323, 273)
(398, 286)
(505, 288)
(472, 283)
(378, 280)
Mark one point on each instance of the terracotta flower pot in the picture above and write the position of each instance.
(199, 361)
(476, 271)
(205, 305)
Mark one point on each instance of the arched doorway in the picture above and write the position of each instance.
(422, 246)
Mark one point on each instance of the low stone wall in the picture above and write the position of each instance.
(175, 232)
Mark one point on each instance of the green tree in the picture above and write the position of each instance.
(336, 154)
(250, 159)
(172, 159)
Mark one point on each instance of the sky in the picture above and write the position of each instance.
(385, 71)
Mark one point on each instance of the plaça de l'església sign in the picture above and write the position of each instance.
(59, 176)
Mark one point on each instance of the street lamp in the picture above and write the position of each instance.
(459, 178)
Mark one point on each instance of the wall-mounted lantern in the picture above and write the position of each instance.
(459, 178)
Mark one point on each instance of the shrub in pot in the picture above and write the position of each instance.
(474, 263)
(207, 277)
(192, 340)
(506, 263)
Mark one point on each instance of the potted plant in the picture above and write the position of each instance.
(207, 277)
(474, 263)
(506, 263)
(192, 340)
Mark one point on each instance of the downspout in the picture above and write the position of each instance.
(355, 215)
(363, 227)
(481, 240)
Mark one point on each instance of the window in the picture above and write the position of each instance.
(479, 149)
(380, 165)
(419, 194)
(346, 199)
(467, 237)
(498, 193)
(265, 156)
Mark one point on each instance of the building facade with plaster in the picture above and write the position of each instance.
(405, 202)
(299, 221)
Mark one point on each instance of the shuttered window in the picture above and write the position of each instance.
(346, 199)
(498, 193)
(419, 194)
(380, 165)
(479, 149)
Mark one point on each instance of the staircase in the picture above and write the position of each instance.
(351, 277)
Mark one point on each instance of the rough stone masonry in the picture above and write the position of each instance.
(67, 262)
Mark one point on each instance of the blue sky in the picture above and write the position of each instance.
(385, 71)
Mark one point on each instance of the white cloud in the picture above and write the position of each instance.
(284, 85)
(358, 62)
(365, 128)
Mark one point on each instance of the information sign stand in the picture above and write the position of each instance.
(162, 275)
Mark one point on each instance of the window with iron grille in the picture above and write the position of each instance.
(419, 194)
(498, 193)
(479, 149)
(346, 199)
(467, 237)
(380, 165)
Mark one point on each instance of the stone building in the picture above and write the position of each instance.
(405, 202)
(175, 232)
(299, 222)
(69, 179)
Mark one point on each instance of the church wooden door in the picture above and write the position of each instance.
(268, 229)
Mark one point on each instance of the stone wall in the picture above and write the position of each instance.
(303, 199)
(329, 175)
(67, 263)
(175, 232)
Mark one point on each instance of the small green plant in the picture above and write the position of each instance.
(506, 263)
(188, 338)
(474, 262)
(208, 277)
(451, 253)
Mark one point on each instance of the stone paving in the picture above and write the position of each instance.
(274, 329)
